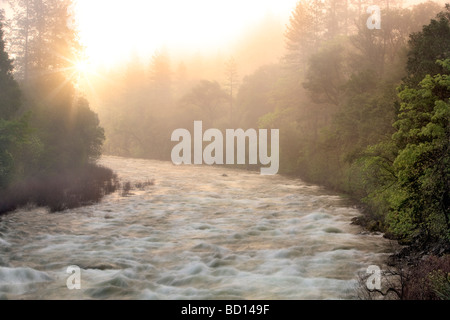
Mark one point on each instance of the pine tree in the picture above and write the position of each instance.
(301, 35)
(232, 82)
(48, 50)
(9, 89)
(13, 132)
(161, 80)
(427, 46)
(46, 47)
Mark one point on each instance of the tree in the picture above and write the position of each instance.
(375, 171)
(181, 80)
(326, 74)
(254, 98)
(337, 18)
(206, 102)
(379, 50)
(303, 33)
(423, 162)
(232, 81)
(46, 47)
(25, 11)
(14, 133)
(427, 46)
(15, 139)
(161, 80)
(10, 94)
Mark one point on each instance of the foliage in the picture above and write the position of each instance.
(423, 163)
(429, 280)
(10, 96)
(207, 101)
(351, 131)
(47, 132)
(427, 46)
(255, 95)
(14, 133)
(71, 135)
(14, 142)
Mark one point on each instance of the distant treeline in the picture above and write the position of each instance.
(49, 137)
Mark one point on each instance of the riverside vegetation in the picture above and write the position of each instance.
(49, 137)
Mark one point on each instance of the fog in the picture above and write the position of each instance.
(142, 97)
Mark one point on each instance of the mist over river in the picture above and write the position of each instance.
(198, 233)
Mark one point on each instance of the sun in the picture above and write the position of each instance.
(82, 73)
(82, 67)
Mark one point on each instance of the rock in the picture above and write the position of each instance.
(425, 257)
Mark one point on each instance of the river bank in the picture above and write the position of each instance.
(60, 190)
(419, 269)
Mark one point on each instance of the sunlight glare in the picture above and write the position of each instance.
(82, 67)
(111, 29)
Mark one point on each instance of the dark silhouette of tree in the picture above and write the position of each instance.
(206, 101)
(427, 46)
(254, 98)
(9, 89)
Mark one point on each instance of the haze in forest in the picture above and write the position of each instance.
(185, 28)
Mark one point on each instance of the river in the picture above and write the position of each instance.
(198, 233)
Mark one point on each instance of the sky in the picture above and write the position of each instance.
(112, 29)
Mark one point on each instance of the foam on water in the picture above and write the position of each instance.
(194, 235)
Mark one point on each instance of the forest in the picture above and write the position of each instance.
(347, 101)
(364, 113)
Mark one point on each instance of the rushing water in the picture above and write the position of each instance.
(198, 233)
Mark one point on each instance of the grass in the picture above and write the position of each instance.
(60, 191)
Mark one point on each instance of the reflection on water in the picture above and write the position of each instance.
(199, 233)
